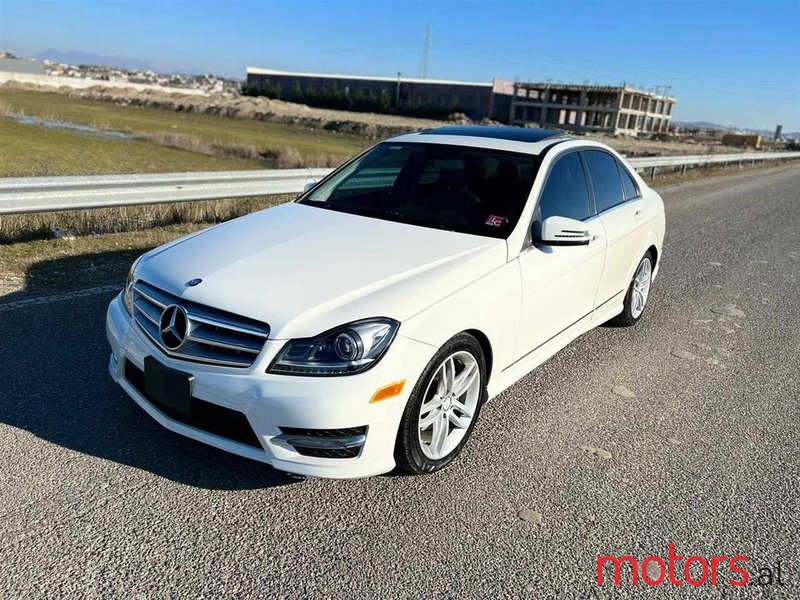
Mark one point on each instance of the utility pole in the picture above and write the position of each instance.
(397, 93)
(426, 50)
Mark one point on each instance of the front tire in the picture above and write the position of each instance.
(637, 295)
(443, 407)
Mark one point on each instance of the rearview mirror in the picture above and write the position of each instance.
(309, 185)
(562, 231)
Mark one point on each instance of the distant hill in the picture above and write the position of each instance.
(703, 124)
(77, 57)
(710, 125)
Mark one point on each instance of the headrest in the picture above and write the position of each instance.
(508, 170)
(452, 177)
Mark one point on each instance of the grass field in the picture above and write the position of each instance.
(47, 266)
(30, 150)
(97, 221)
(207, 130)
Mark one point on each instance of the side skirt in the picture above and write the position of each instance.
(517, 370)
(510, 375)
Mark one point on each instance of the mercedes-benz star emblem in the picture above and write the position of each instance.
(194, 282)
(174, 326)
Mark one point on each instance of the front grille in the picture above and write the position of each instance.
(211, 418)
(213, 336)
(350, 451)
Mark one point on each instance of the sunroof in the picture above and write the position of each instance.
(516, 134)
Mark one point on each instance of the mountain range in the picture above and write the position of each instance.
(710, 125)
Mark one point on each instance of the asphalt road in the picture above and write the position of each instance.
(98, 500)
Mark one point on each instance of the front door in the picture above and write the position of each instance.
(559, 283)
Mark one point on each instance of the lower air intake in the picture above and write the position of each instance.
(325, 443)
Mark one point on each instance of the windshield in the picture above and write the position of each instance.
(457, 188)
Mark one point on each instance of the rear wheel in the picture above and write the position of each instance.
(443, 407)
(638, 293)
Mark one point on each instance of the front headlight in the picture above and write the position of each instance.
(127, 295)
(345, 350)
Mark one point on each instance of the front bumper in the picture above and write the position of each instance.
(271, 402)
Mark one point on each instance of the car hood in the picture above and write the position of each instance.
(304, 269)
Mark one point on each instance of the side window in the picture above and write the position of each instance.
(565, 194)
(628, 184)
(605, 178)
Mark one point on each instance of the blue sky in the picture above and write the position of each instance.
(732, 62)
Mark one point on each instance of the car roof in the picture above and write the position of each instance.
(497, 132)
(513, 139)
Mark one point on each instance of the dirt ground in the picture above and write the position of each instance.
(369, 125)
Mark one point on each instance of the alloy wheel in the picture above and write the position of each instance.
(449, 404)
(641, 288)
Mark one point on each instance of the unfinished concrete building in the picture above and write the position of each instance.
(596, 108)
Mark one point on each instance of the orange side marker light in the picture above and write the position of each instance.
(388, 391)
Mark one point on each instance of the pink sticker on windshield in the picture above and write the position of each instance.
(495, 221)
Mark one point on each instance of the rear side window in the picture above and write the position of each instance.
(605, 179)
(628, 184)
(565, 194)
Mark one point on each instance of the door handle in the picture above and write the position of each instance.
(638, 213)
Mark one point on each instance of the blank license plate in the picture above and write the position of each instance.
(167, 387)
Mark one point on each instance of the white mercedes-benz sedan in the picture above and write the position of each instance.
(361, 327)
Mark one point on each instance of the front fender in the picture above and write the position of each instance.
(490, 305)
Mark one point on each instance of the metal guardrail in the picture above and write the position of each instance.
(43, 194)
(706, 159)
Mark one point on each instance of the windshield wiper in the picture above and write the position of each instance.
(386, 214)
(373, 211)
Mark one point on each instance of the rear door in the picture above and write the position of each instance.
(621, 216)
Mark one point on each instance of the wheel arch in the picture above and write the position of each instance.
(654, 252)
(649, 246)
(486, 346)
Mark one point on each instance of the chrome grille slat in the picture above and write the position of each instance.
(150, 296)
(216, 323)
(153, 314)
(213, 336)
(150, 328)
(195, 351)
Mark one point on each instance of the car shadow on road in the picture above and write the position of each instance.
(54, 383)
(68, 273)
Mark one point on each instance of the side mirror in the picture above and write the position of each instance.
(309, 185)
(562, 231)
